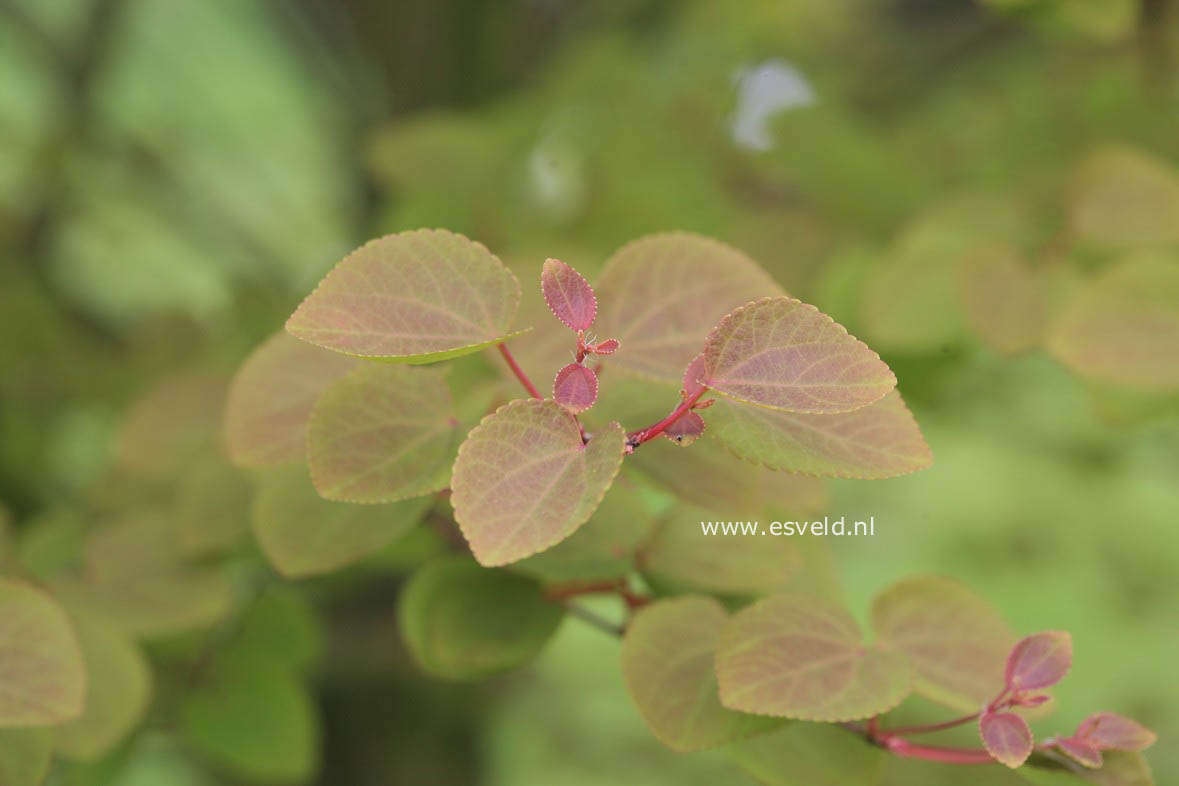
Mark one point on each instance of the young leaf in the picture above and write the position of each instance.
(462, 621)
(783, 354)
(25, 756)
(42, 672)
(271, 398)
(575, 387)
(524, 481)
(1110, 731)
(1006, 737)
(799, 656)
(416, 297)
(1039, 661)
(303, 534)
(667, 663)
(956, 641)
(694, 372)
(568, 295)
(382, 434)
(686, 429)
(881, 440)
(661, 292)
(1080, 750)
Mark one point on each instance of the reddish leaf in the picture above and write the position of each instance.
(1006, 736)
(570, 297)
(1110, 731)
(607, 347)
(1039, 661)
(1081, 751)
(575, 387)
(692, 376)
(686, 429)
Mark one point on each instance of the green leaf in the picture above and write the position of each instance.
(957, 643)
(382, 434)
(212, 508)
(524, 481)
(118, 688)
(1118, 769)
(170, 425)
(667, 662)
(279, 630)
(809, 754)
(660, 295)
(784, 354)
(303, 534)
(416, 297)
(1007, 302)
(799, 656)
(462, 621)
(42, 673)
(25, 756)
(1125, 199)
(881, 440)
(1122, 328)
(271, 398)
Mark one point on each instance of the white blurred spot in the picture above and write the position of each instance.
(763, 91)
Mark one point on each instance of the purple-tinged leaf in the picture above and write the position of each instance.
(1039, 661)
(1082, 751)
(570, 297)
(686, 429)
(575, 387)
(271, 398)
(783, 354)
(416, 297)
(1006, 737)
(607, 347)
(524, 481)
(1110, 731)
(692, 376)
(800, 656)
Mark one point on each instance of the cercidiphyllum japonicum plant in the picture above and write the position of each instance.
(546, 493)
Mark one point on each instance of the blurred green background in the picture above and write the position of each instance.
(938, 175)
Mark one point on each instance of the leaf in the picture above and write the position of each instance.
(881, 440)
(171, 424)
(382, 434)
(667, 663)
(1122, 328)
(957, 643)
(686, 429)
(25, 756)
(809, 754)
(212, 505)
(1007, 302)
(1117, 769)
(1110, 731)
(1006, 737)
(42, 674)
(693, 373)
(784, 354)
(568, 295)
(575, 387)
(1125, 199)
(279, 630)
(799, 656)
(303, 534)
(661, 293)
(118, 688)
(416, 297)
(524, 481)
(462, 621)
(1082, 751)
(1039, 661)
(271, 398)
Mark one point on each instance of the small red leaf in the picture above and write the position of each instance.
(1081, 751)
(570, 297)
(1040, 660)
(692, 376)
(575, 388)
(607, 347)
(1006, 736)
(685, 429)
(1110, 731)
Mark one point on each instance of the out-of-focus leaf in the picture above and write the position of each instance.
(212, 507)
(799, 656)
(1117, 769)
(1039, 661)
(661, 294)
(1110, 731)
(568, 295)
(382, 434)
(279, 630)
(667, 662)
(1006, 737)
(1007, 302)
(25, 756)
(958, 644)
(169, 425)
(42, 673)
(271, 398)
(52, 543)
(1125, 199)
(463, 621)
(303, 534)
(524, 481)
(416, 297)
(808, 754)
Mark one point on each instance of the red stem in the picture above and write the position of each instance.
(519, 372)
(636, 438)
(902, 747)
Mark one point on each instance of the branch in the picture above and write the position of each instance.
(636, 438)
(519, 372)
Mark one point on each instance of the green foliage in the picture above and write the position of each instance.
(42, 672)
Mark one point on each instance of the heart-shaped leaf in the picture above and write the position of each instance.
(799, 656)
(667, 662)
(957, 643)
(661, 292)
(1039, 661)
(575, 387)
(42, 672)
(568, 295)
(461, 621)
(524, 480)
(783, 354)
(382, 434)
(880, 440)
(271, 398)
(686, 429)
(416, 297)
(1110, 731)
(1006, 737)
